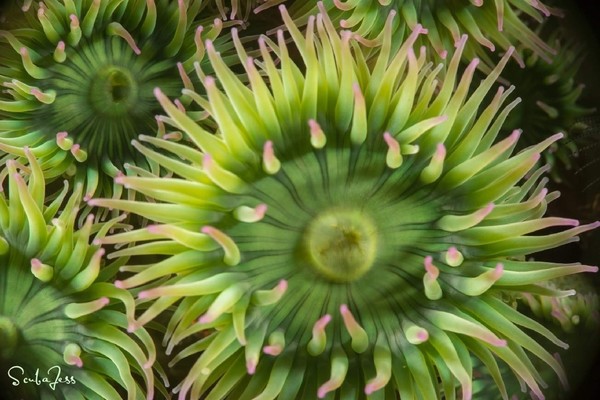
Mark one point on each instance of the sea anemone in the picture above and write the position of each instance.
(491, 25)
(78, 79)
(348, 231)
(60, 317)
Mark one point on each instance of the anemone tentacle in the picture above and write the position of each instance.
(347, 228)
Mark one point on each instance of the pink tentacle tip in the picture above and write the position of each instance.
(272, 350)
(282, 285)
(267, 149)
(251, 367)
(104, 301)
(322, 392)
(120, 178)
(206, 161)
(260, 211)
(93, 202)
(132, 327)
(474, 63)
(516, 134)
(461, 42)
(209, 81)
(498, 271)
(120, 284)
(344, 310)
(87, 197)
(74, 20)
(76, 361)
(419, 29)
(205, 319)
(537, 395)
(323, 321)
(467, 394)
(207, 230)
(155, 229)
(370, 388)
(423, 335)
(145, 294)
(430, 268)
(488, 209)
(148, 364)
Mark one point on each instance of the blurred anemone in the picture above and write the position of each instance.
(348, 231)
(550, 97)
(78, 79)
(581, 311)
(59, 313)
(492, 25)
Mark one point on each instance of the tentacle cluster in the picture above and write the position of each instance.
(347, 231)
(242, 9)
(78, 79)
(58, 308)
(492, 25)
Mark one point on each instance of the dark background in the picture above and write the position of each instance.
(590, 13)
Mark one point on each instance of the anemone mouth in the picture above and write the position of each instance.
(341, 244)
(113, 92)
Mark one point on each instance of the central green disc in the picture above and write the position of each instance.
(113, 91)
(341, 244)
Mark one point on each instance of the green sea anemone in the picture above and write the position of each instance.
(60, 314)
(492, 25)
(348, 231)
(78, 79)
